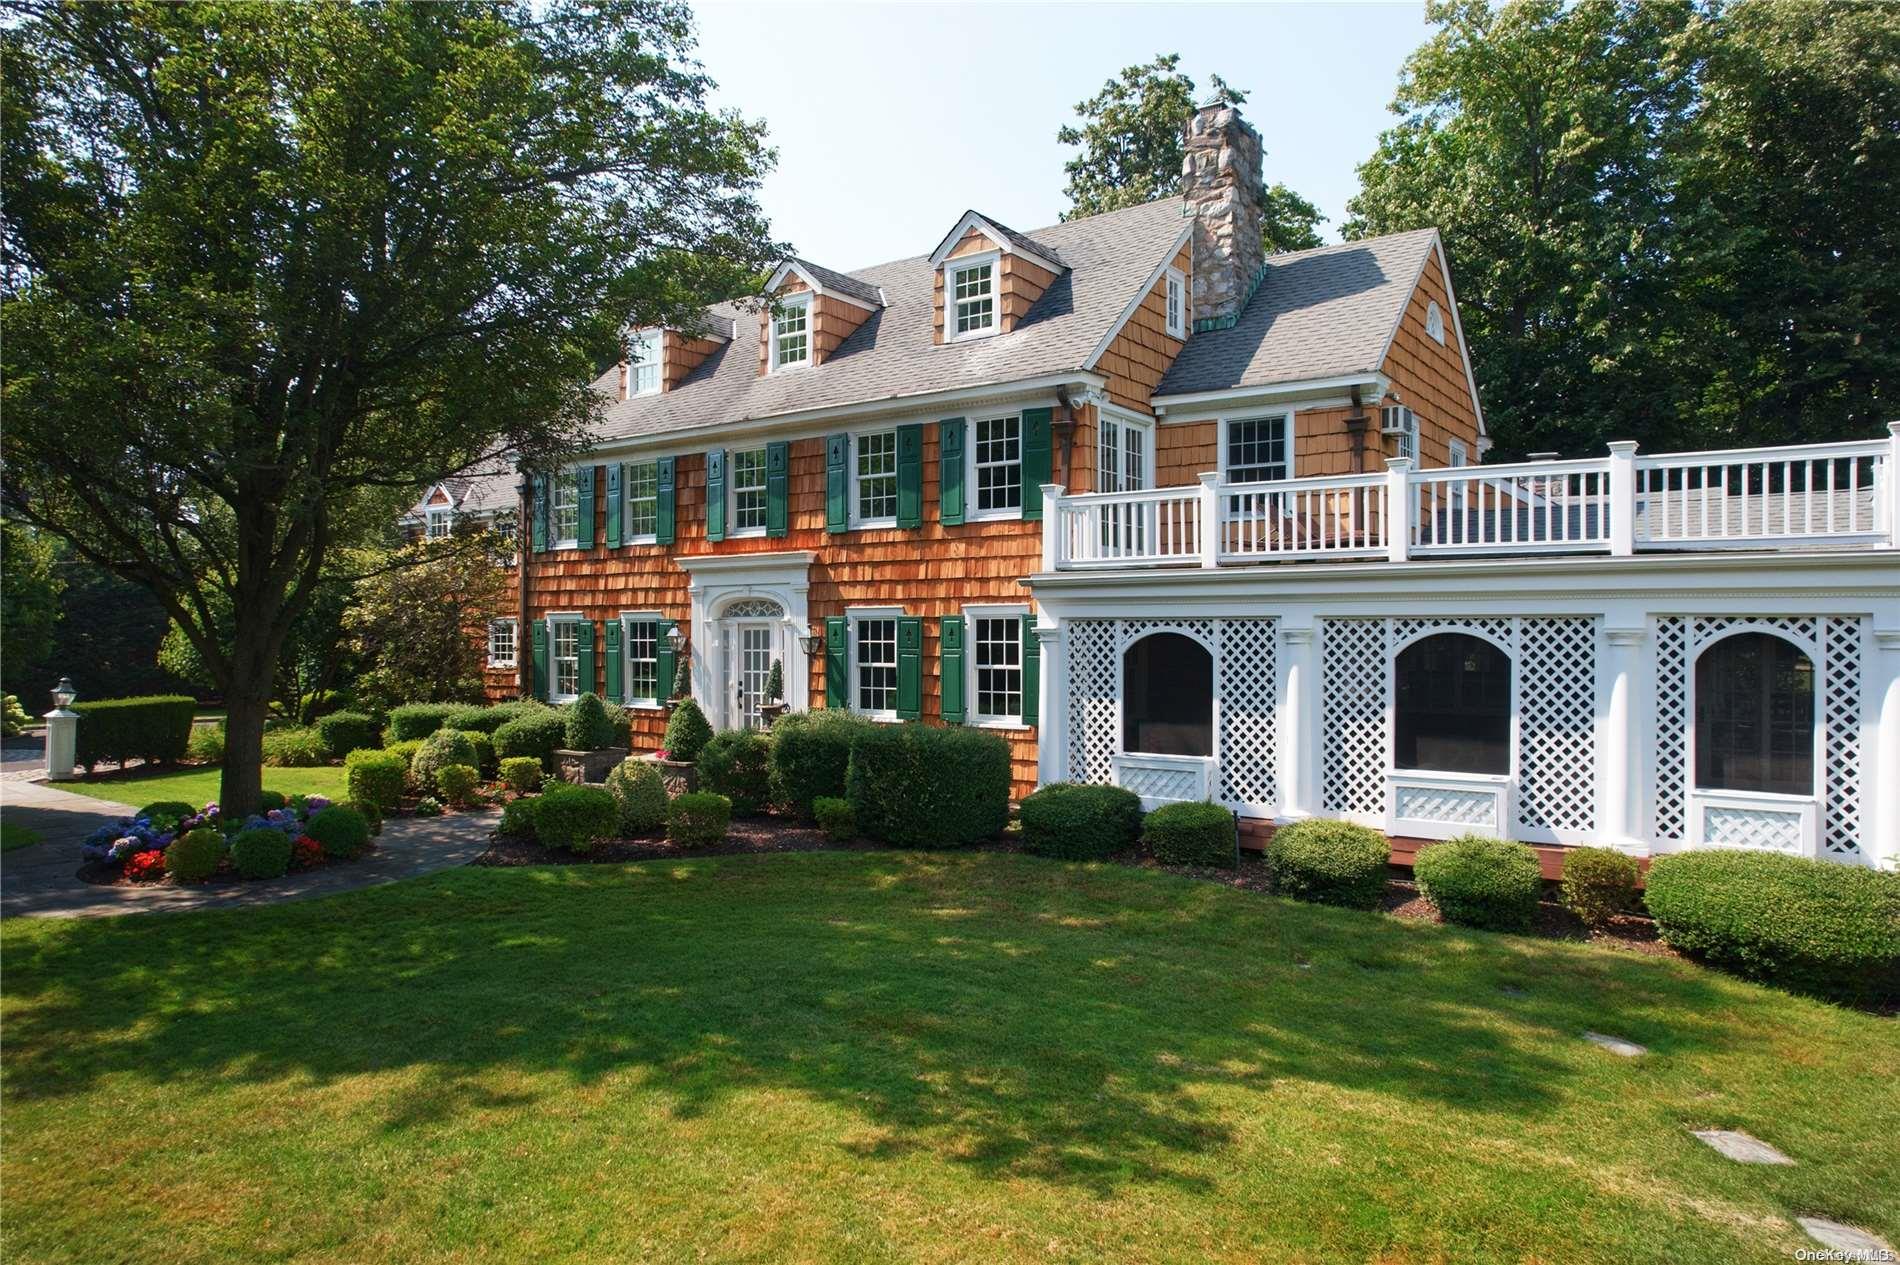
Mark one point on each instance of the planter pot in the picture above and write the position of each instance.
(770, 712)
(679, 777)
(587, 766)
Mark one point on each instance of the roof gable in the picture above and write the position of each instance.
(824, 281)
(1007, 240)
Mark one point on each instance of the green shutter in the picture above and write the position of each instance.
(1036, 468)
(837, 663)
(950, 437)
(663, 524)
(837, 482)
(778, 466)
(910, 476)
(910, 667)
(950, 668)
(616, 662)
(1032, 672)
(615, 477)
(584, 507)
(539, 686)
(665, 660)
(716, 494)
(540, 513)
(584, 653)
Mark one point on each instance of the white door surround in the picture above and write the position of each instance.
(723, 581)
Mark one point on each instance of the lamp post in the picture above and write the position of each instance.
(62, 730)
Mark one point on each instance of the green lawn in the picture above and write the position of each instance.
(199, 786)
(902, 1057)
(14, 835)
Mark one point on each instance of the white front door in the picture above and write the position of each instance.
(752, 644)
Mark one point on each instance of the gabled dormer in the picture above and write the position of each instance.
(659, 359)
(808, 313)
(988, 277)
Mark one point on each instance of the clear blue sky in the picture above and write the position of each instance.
(892, 119)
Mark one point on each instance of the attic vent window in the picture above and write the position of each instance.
(791, 336)
(1435, 322)
(973, 298)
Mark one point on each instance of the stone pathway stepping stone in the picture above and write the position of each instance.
(1741, 1147)
(1616, 1045)
(1847, 1238)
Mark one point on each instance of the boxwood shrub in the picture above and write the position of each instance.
(517, 819)
(153, 728)
(698, 819)
(419, 720)
(457, 783)
(270, 801)
(687, 732)
(1078, 822)
(439, 750)
(538, 734)
(1329, 863)
(575, 817)
(1480, 882)
(376, 776)
(1191, 834)
(521, 774)
(1599, 883)
(342, 830)
(297, 747)
(165, 814)
(344, 732)
(1812, 926)
(738, 765)
(261, 853)
(835, 818)
(194, 857)
(639, 794)
(485, 761)
(370, 813)
(811, 752)
(585, 726)
(913, 786)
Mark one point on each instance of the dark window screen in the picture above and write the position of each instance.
(1453, 706)
(1754, 716)
(1168, 696)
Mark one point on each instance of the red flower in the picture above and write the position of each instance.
(145, 867)
(305, 853)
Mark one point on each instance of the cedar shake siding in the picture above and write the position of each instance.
(1429, 376)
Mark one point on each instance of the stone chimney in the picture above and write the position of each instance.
(1220, 177)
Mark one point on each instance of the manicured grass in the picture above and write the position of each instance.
(14, 835)
(200, 785)
(878, 1056)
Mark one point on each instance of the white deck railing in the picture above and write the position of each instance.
(1754, 498)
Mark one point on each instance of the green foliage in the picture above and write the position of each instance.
(473, 719)
(775, 683)
(738, 765)
(811, 752)
(641, 797)
(370, 813)
(1811, 926)
(1480, 882)
(30, 588)
(517, 819)
(344, 732)
(207, 743)
(484, 744)
(698, 819)
(834, 816)
(914, 786)
(575, 818)
(13, 717)
(194, 857)
(586, 727)
(418, 629)
(441, 749)
(457, 783)
(1329, 863)
(683, 677)
(428, 806)
(521, 774)
(414, 721)
(1191, 834)
(1599, 883)
(294, 748)
(687, 732)
(536, 735)
(153, 729)
(343, 831)
(1080, 822)
(270, 801)
(261, 853)
(376, 777)
(167, 813)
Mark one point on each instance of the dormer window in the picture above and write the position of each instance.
(643, 374)
(441, 521)
(791, 333)
(972, 289)
(1177, 303)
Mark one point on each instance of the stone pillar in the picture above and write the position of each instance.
(1297, 730)
(1883, 691)
(1620, 746)
(1052, 729)
(1220, 178)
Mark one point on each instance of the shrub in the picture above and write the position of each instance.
(637, 791)
(517, 819)
(521, 774)
(835, 818)
(299, 748)
(207, 743)
(165, 814)
(371, 814)
(585, 726)
(811, 752)
(535, 734)
(1329, 863)
(154, 728)
(1812, 926)
(1599, 883)
(145, 867)
(687, 732)
(344, 732)
(441, 749)
(376, 777)
(738, 765)
(480, 720)
(698, 819)
(270, 801)
(575, 817)
(1080, 822)
(917, 787)
(342, 831)
(261, 853)
(457, 783)
(406, 749)
(1191, 834)
(428, 806)
(13, 717)
(414, 721)
(194, 856)
(484, 744)
(305, 853)
(1480, 882)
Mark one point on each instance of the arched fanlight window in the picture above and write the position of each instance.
(1453, 706)
(1754, 716)
(1168, 696)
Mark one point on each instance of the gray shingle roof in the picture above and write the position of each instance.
(1024, 242)
(892, 354)
(1318, 314)
(841, 283)
(486, 486)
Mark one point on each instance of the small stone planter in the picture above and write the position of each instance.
(679, 777)
(587, 766)
(770, 712)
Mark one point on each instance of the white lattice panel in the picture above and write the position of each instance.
(1840, 712)
(1249, 689)
(1166, 784)
(1445, 804)
(1093, 714)
(1556, 667)
(1751, 828)
(1502, 631)
(1672, 727)
(1354, 742)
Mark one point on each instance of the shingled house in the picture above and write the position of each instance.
(1211, 525)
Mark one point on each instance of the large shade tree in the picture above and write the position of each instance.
(268, 262)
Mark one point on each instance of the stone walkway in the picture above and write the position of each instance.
(42, 880)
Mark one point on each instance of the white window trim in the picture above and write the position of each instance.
(634, 364)
(445, 513)
(567, 478)
(772, 362)
(733, 530)
(515, 631)
(888, 520)
(561, 617)
(951, 267)
(1287, 419)
(1434, 322)
(626, 494)
(853, 615)
(973, 717)
(1123, 419)
(1176, 329)
(1457, 455)
(971, 514)
(628, 618)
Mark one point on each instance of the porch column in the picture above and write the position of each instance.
(1299, 745)
(1883, 691)
(1622, 801)
(1052, 729)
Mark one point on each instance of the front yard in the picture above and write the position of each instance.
(884, 1056)
(198, 785)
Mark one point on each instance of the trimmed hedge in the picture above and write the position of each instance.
(811, 752)
(1329, 863)
(537, 734)
(521, 774)
(294, 748)
(261, 853)
(370, 813)
(194, 857)
(687, 732)
(1816, 927)
(485, 761)
(1599, 883)
(835, 818)
(344, 732)
(418, 720)
(457, 783)
(1191, 834)
(585, 726)
(483, 720)
(152, 728)
(441, 749)
(1080, 822)
(1480, 882)
(575, 817)
(698, 819)
(641, 797)
(517, 819)
(913, 786)
(342, 830)
(377, 777)
(738, 765)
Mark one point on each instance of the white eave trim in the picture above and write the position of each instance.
(792, 266)
(731, 563)
(1134, 301)
(999, 239)
(1203, 406)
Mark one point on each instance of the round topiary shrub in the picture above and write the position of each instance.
(586, 726)
(1599, 883)
(194, 857)
(687, 732)
(517, 819)
(484, 744)
(738, 765)
(575, 817)
(341, 830)
(270, 801)
(521, 774)
(1191, 834)
(414, 721)
(261, 853)
(1815, 927)
(1480, 882)
(165, 814)
(439, 750)
(372, 815)
(344, 732)
(641, 798)
(913, 786)
(1079, 822)
(457, 783)
(811, 753)
(698, 819)
(536, 733)
(376, 777)
(835, 818)
(1329, 863)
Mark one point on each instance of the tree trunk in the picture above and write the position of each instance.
(247, 702)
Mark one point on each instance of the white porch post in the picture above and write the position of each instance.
(1884, 683)
(1051, 526)
(1210, 518)
(1621, 784)
(1296, 730)
(1892, 481)
(1398, 508)
(1052, 730)
(1622, 498)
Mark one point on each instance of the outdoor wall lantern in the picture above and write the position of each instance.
(675, 638)
(812, 643)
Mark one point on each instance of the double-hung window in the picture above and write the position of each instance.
(874, 666)
(1258, 450)
(643, 500)
(565, 659)
(971, 288)
(643, 659)
(643, 371)
(746, 472)
(996, 455)
(1176, 291)
(441, 521)
(566, 509)
(874, 477)
(996, 665)
(501, 643)
(1122, 454)
(791, 333)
